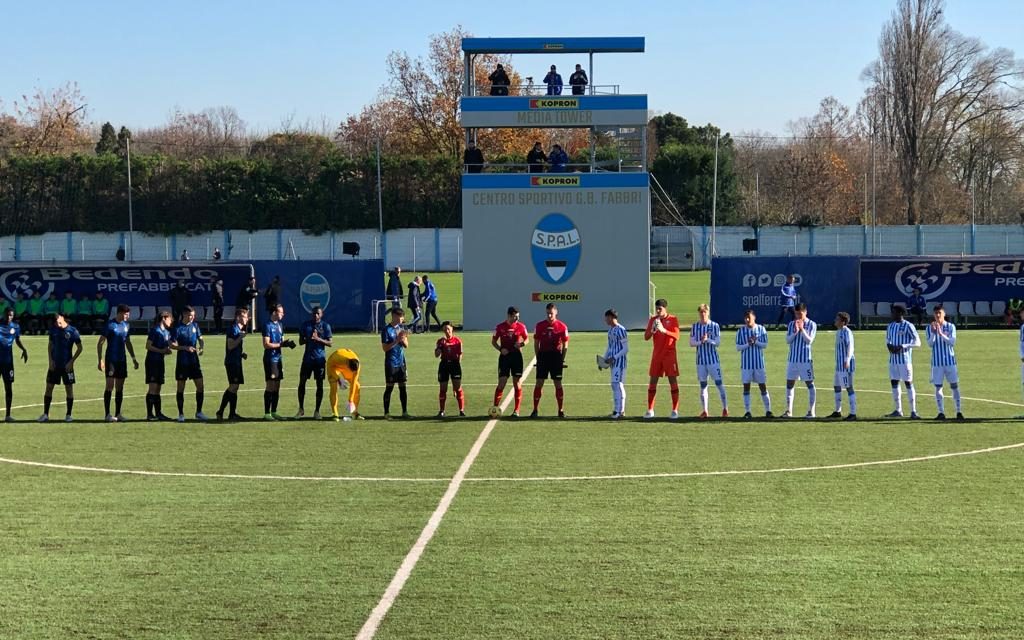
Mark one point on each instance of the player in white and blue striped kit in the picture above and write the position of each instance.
(705, 336)
(751, 341)
(615, 357)
(941, 336)
(1020, 340)
(846, 366)
(900, 337)
(800, 334)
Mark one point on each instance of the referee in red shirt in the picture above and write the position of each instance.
(551, 342)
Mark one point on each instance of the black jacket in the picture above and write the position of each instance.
(578, 80)
(473, 159)
(536, 159)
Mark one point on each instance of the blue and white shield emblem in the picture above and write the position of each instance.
(555, 248)
(314, 291)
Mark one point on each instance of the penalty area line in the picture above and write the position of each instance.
(369, 629)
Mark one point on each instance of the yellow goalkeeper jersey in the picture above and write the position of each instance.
(338, 367)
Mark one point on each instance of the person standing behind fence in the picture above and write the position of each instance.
(499, 81)
(430, 299)
(554, 82)
(394, 288)
(578, 81)
(100, 311)
(536, 158)
(788, 299)
(415, 303)
(558, 159)
(246, 295)
(217, 296)
(473, 158)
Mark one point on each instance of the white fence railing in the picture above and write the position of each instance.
(672, 248)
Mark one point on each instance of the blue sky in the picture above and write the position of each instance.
(746, 66)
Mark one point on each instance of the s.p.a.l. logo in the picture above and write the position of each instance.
(315, 291)
(20, 281)
(555, 248)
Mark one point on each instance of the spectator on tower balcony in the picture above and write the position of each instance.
(499, 81)
(473, 158)
(536, 158)
(558, 159)
(554, 82)
(578, 81)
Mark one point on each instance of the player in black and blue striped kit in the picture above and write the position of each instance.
(64, 348)
(188, 342)
(10, 335)
(316, 335)
(941, 336)
(900, 337)
(114, 363)
(158, 347)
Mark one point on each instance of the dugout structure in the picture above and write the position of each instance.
(578, 236)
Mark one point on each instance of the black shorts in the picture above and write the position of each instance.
(315, 369)
(511, 364)
(549, 365)
(188, 371)
(395, 375)
(236, 375)
(155, 371)
(7, 371)
(60, 376)
(273, 370)
(449, 369)
(116, 370)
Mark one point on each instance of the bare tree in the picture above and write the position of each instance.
(928, 83)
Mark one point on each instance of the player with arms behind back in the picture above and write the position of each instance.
(551, 343)
(233, 357)
(941, 336)
(751, 341)
(114, 363)
(63, 339)
(449, 350)
(509, 339)
(845, 367)
(663, 328)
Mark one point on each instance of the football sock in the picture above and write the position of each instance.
(675, 397)
(275, 397)
(497, 396)
(302, 395)
(234, 403)
(897, 399)
(812, 396)
(704, 397)
(618, 397)
(956, 398)
(106, 402)
(767, 401)
(8, 395)
(721, 394)
(179, 397)
(200, 395)
(853, 401)
(387, 398)
(912, 397)
(460, 395)
(839, 398)
(559, 395)
(46, 404)
(536, 397)
(71, 403)
(118, 399)
(652, 392)
(519, 397)
(939, 400)
(441, 397)
(149, 405)
(268, 395)
(225, 400)
(746, 402)
(789, 399)
(319, 395)
(403, 395)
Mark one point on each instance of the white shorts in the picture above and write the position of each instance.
(756, 375)
(843, 378)
(901, 372)
(618, 374)
(800, 371)
(705, 371)
(948, 372)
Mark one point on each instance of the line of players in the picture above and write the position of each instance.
(551, 339)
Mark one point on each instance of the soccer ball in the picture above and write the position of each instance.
(494, 412)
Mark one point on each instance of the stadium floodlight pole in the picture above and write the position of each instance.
(380, 200)
(714, 196)
(131, 217)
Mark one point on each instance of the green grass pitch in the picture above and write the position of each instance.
(916, 549)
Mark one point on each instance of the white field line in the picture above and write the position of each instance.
(372, 623)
